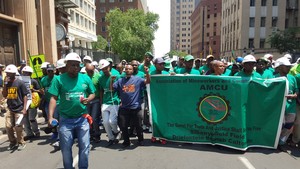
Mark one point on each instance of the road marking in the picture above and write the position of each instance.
(246, 162)
(75, 161)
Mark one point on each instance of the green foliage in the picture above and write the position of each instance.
(285, 41)
(177, 53)
(101, 44)
(131, 32)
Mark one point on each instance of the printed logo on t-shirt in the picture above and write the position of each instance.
(12, 93)
(74, 96)
(129, 88)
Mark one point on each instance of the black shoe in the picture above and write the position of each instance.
(110, 142)
(141, 143)
(124, 144)
(26, 138)
(96, 139)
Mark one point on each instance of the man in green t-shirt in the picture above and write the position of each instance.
(75, 91)
(248, 68)
(110, 103)
(93, 106)
(188, 69)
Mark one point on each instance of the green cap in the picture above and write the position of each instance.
(168, 64)
(149, 54)
(188, 58)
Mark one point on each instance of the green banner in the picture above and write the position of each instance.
(231, 111)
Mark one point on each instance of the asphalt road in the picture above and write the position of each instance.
(40, 154)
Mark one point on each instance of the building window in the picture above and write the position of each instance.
(274, 21)
(103, 19)
(103, 29)
(215, 24)
(252, 22)
(207, 25)
(274, 3)
(121, 0)
(263, 2)
(215, 15)
(72, 15)
(102, 10)
(208, 16)
(130, 0)
(207, 34)
(262, 43)
(102, 1)
(111, 1)
(251, 43)
(263, 22)
(77, 18)
(252, 2)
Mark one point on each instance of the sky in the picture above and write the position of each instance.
(162, 35)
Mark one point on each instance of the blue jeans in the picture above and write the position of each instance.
(68, 130)
(94, 110)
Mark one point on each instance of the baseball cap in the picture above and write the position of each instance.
(168, 64)
(50, 67)
(22, 62)
(263, 59)
(249, 58)
(188, 58)
(110, 60)
(73, 57)
(159, 60)
(149, 54)
(87, 58)
(209, 56)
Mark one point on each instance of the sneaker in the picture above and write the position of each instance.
(110, 142)
(21, 147)
(153, 140)
(125, 144)
(163, 141)
(118, 136)
(96, 139)
(37, 134)
(12, 147)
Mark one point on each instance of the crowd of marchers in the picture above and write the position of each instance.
(79, 96)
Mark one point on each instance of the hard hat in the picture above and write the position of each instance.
(268, 56)
(60, 63)
(249, 58)
(103, 63)
(282, 61)
(11, 69)
(27, 69)
(87, 58)
(239, 59)
(94, 63)
(44, 65)
(73, 57)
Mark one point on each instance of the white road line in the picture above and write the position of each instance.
(75, 161)
(246, 162)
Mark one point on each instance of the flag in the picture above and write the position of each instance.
(232, 56)
(210, 50)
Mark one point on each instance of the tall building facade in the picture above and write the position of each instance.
(104, 6)
(180, 32)
(206, 28)
(82, 27)
(247, 25)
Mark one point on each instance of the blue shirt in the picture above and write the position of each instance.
(130, 91)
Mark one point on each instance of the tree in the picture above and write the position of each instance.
(101, 44)
(285, 41)
(131, 32)
(177, 53)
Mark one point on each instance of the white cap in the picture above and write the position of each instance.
(87, 58)
(103, 63)
(249, 58)
(94, 63)
(11, 69)
(27, 69)
(73, 57)
(289, 56)
(44, 65)
(60, 63)
(282, 61)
